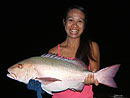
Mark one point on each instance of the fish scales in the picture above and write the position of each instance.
(58, 74)
(58, 67)
(57, 63)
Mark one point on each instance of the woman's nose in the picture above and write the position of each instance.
(74, 24)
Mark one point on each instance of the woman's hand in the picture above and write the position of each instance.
(90, 80)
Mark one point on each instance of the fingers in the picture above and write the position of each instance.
(94, 70)
(96, 82)
(90, 80)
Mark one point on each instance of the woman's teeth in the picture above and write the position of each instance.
(74, 30)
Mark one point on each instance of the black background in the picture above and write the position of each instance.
(36, 26)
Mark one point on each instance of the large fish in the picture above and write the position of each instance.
(57, 74)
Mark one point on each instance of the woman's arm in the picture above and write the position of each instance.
(94, 66)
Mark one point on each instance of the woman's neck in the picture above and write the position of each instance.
(72, 43)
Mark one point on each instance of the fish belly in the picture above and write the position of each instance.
(74, 84)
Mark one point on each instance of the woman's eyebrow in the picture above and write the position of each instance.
(75, 16)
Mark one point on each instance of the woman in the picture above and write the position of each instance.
(76, 46)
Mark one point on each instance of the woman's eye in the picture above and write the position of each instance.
(70, 20)
(20, 66)
(80, 21)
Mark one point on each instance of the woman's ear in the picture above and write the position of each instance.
(64, 22)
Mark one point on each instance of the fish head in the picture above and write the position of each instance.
(21, 71)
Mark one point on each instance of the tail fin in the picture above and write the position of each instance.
(105, 76)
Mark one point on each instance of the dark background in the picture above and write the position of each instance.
(36, 26)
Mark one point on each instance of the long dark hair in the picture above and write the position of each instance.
(84, 50)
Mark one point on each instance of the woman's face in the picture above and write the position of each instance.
(74, 24)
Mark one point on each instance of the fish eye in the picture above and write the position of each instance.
(20, 66)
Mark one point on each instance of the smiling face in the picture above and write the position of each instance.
(74, 24)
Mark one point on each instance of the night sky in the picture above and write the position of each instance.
(36, 26)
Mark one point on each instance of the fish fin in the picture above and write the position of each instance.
(47, 91)
(50, 55)
(105, 76)
(47, 80)
(78, 87)
(73, 61)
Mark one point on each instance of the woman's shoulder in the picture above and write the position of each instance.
(53, 50)
(94, 47)
(94, 44)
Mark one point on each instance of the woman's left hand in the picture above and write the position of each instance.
(90, 80)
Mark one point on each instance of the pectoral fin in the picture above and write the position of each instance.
(47, 80)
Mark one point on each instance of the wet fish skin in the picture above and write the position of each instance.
(58, 74)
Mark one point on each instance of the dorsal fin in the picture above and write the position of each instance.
(74, 61)
(50, 55)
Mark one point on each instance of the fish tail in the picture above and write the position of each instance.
(105, 76)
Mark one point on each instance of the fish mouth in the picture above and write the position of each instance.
(12, 76)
